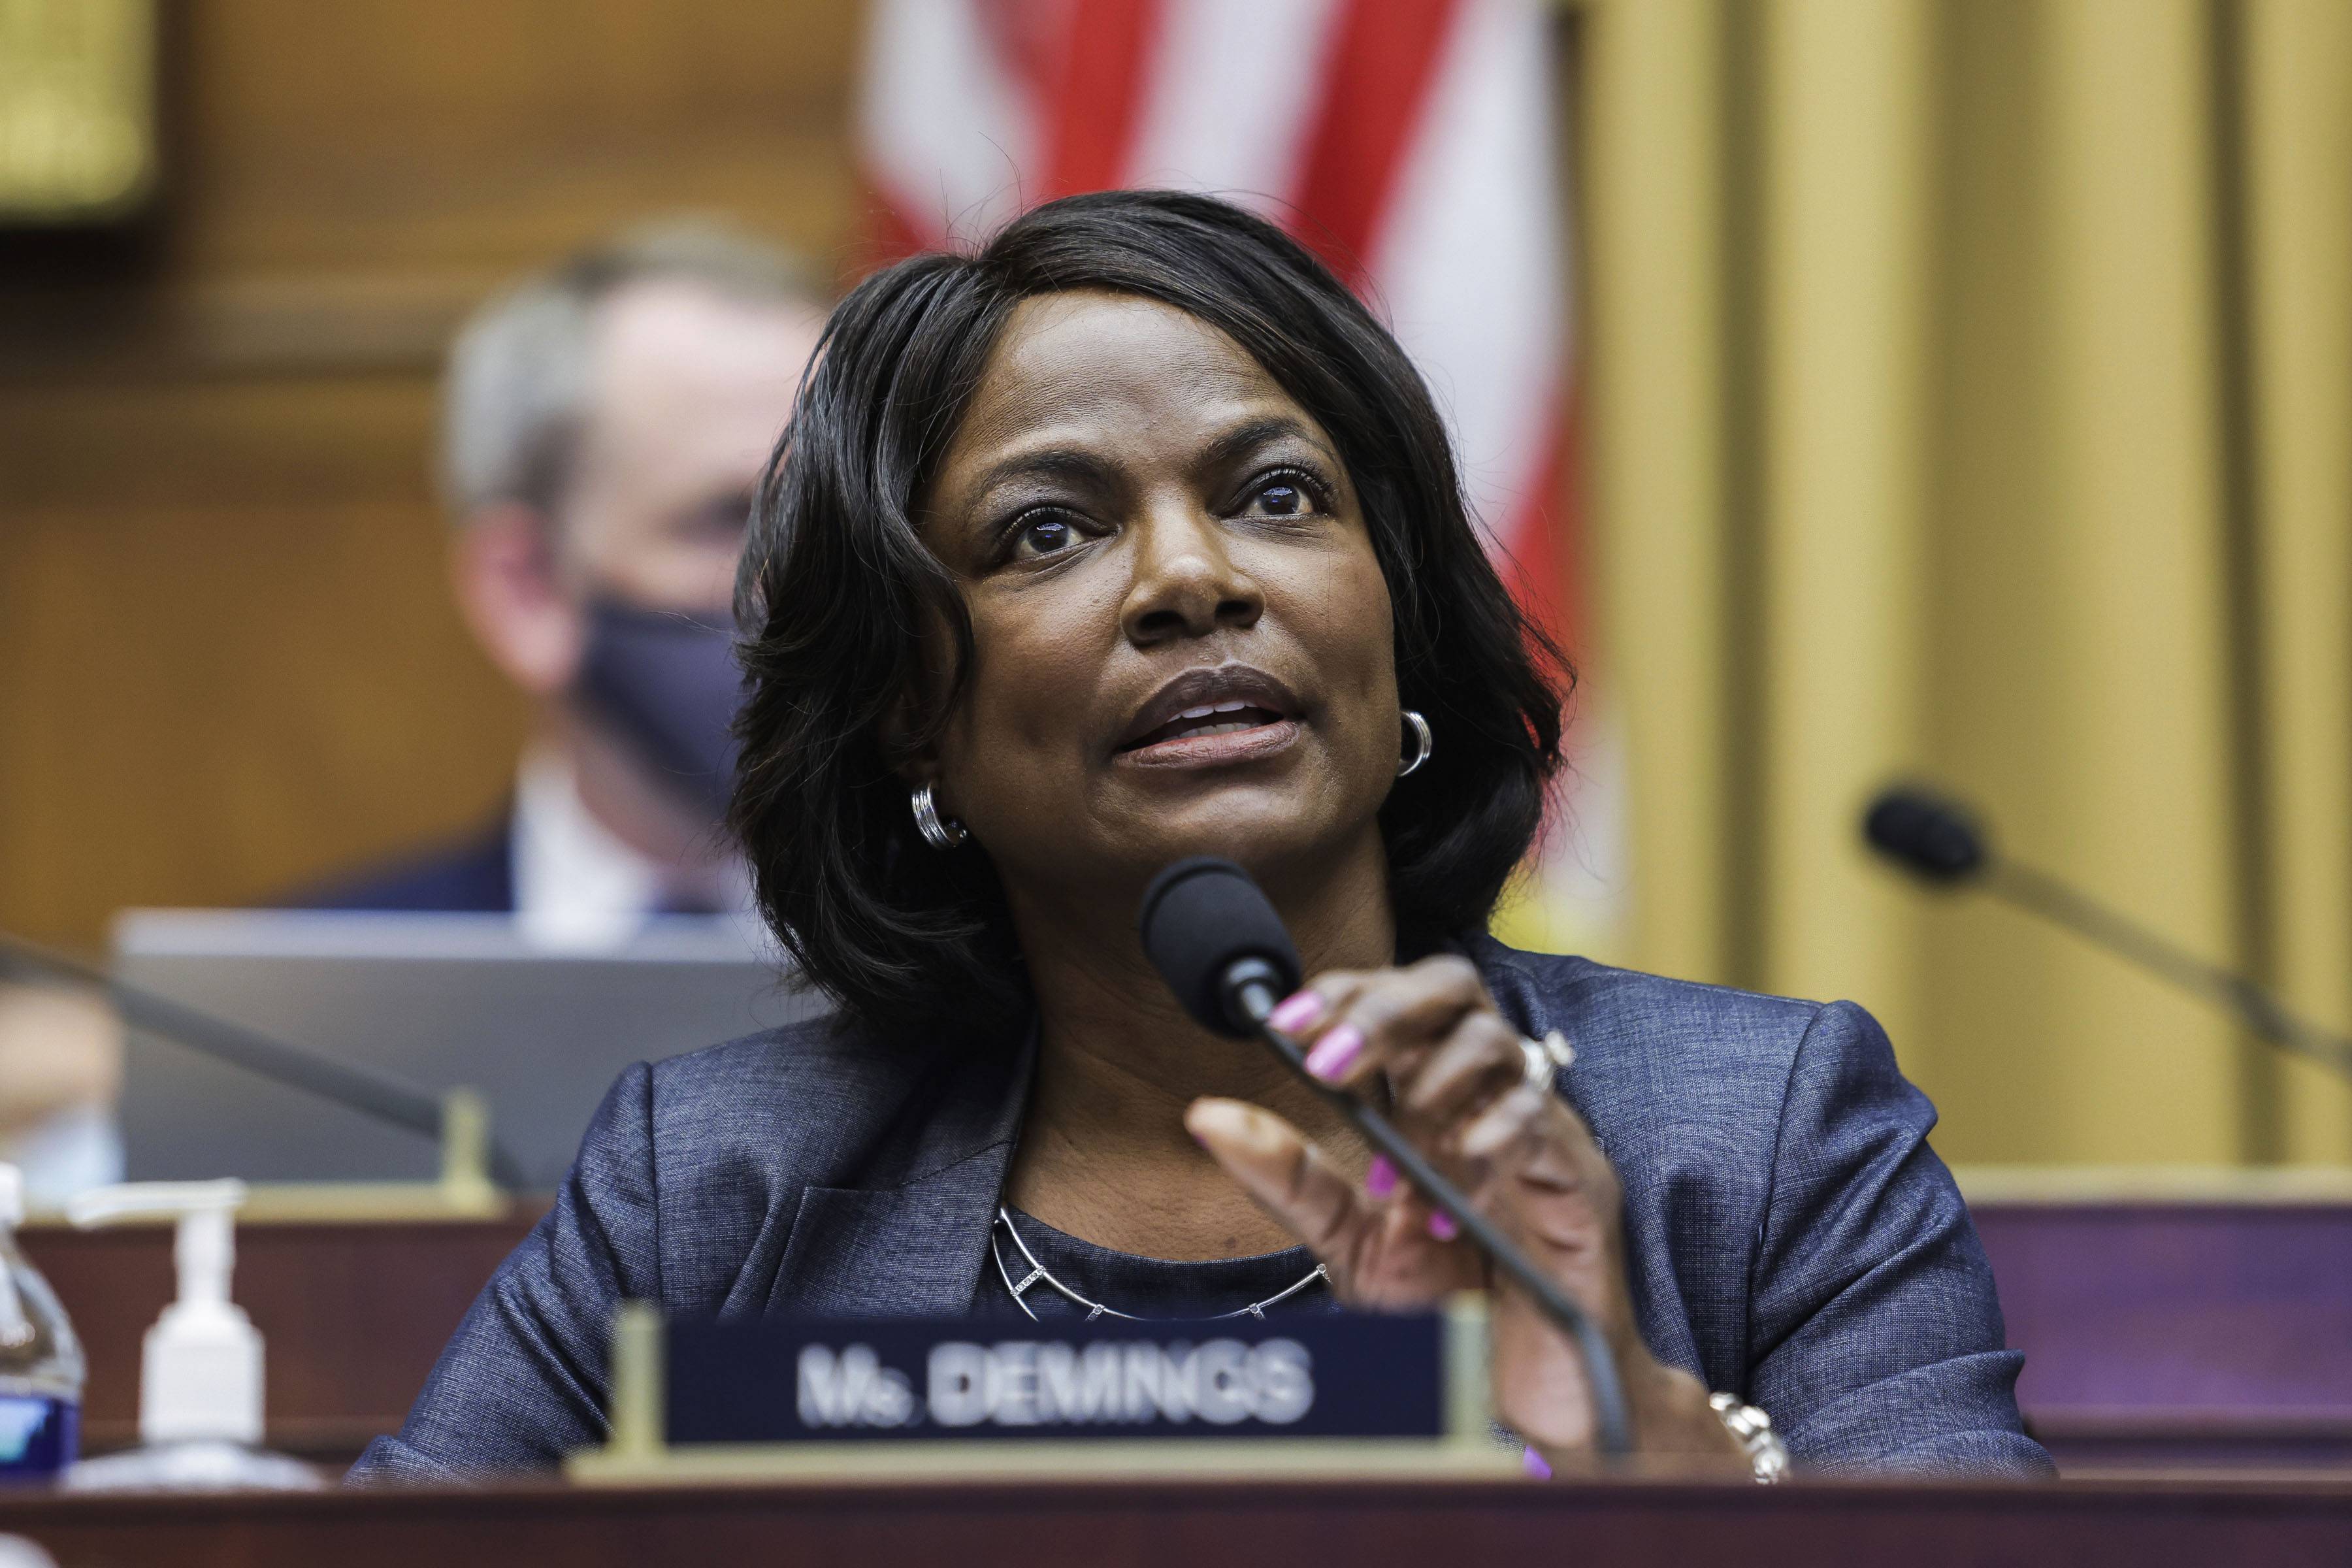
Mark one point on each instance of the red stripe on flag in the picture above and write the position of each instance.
(1024, 37)
(1384, 56)
(1092, 110)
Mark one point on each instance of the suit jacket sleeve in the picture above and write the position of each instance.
(1876, 1334)
(523, 1381)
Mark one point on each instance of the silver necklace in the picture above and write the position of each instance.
(1039, 1274)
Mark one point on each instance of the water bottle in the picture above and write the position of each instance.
(41, 1366)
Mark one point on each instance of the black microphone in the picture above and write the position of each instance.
(1943, 842)
(369, 1093)
(1934, 838)
(1216, 940)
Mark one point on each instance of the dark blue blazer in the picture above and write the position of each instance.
(1791, 1239)
(474, 876)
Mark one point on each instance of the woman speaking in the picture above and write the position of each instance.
(1133, 537)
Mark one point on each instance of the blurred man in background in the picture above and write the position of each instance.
(603, 428)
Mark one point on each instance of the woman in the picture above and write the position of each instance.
(1131, 537)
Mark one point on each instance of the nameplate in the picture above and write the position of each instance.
(862, 1380)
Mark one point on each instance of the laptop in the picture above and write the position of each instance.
(432, 1001)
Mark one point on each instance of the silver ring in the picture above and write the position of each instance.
(1546, 1059)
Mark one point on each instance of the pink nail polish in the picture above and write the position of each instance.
(1443, 1225)
(1533, 1463)
(1295, 1012)
(1335, 1051)
(1380, 1177)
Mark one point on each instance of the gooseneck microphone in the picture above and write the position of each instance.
(1216, 940)
(369, 1093)
(1943, 843)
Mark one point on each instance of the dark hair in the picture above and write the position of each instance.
(847, 616)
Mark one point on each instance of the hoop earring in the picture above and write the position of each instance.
(938, 832)
(1423, 743)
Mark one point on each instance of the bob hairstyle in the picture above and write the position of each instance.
(856, 641)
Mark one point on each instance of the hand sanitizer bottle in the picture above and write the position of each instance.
(200, 1369)
(40, 1360)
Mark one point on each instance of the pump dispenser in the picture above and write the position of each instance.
(200, 1367)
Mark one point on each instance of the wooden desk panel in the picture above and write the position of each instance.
(2158, 1336)
(2175, 1333)
(1150, 1524)
(352, 1315)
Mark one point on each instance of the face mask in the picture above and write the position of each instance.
(667, 684)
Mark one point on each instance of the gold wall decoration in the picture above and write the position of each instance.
(77, 109)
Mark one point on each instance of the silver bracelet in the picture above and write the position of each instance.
(1768, 1457)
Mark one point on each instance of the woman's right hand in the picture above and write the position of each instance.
(1457, 1071)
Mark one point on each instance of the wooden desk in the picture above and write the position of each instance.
(353, 1313)
(2172, 1322)
(2163, 1330)
(1232, 1525)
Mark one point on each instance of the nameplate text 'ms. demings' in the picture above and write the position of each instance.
(850, 1380)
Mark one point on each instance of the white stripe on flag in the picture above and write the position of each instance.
(1467, 261)
(1232, 85)
(946, 132)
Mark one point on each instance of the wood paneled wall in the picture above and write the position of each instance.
(229, 661)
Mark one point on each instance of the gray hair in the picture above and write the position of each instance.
(517, 389)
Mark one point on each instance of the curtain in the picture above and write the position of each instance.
(1970, 401)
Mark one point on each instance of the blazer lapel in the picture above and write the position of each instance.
(910, 1251)
(914, 1248)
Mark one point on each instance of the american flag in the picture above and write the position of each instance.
(1411, 143)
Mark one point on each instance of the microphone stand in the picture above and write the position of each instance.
(1252, 987)
(372, 1094)
(2039, 893)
